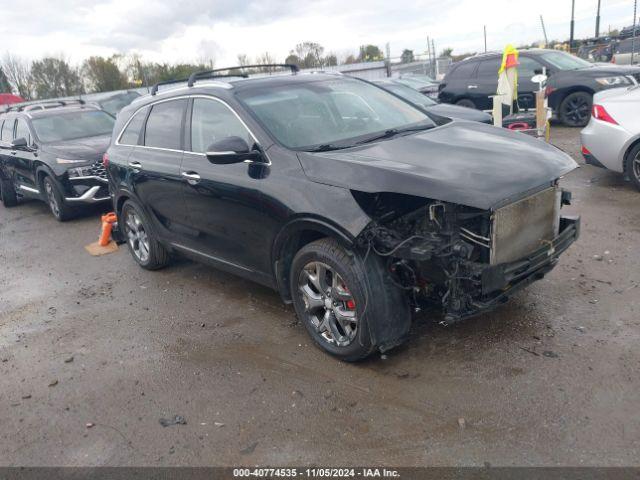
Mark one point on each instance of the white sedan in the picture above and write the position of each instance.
(612, 137)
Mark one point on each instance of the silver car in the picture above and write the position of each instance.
(612, 137)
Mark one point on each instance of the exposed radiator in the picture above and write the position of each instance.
(523, 227)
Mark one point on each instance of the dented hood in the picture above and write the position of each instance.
(466, 163)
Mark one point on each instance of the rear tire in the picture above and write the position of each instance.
(8, 193)
(465, 102)
(632, 165)
(145, 249)
(54, 198)
(575, 109)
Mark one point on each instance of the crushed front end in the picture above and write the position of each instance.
(466, 259)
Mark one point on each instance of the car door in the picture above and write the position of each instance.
(223, 202)
(487, 82)
(460, 83)
(526, 88)
(23, 158)
(154, 166)
(7, 160)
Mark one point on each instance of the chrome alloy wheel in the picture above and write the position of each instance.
(636, 166)
(328, 304)
(51, 198)
(137, 236)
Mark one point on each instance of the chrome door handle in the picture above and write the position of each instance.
(135, 164)
(472, 86)
(192, 177)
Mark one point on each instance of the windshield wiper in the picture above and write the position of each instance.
(392, 132)
(326, 147)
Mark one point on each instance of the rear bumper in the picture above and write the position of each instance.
(499, 282)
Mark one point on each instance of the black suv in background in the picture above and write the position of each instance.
(570, 87)
(355, 205)
(52, 151)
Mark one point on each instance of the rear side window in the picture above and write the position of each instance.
(164, 126)
(212, 121)
(464, 70)
(489, 68)
(131, 134)
(7, 130)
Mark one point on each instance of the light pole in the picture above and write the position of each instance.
(573, 11)
(634, 31)
(598, 21)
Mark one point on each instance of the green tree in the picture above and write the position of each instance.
(103, 74)
(370, 53)
(446, 52)
(310, 54)
(407, 56)
(331, 60)
(54, 77)
(4, 83)
(293, 59)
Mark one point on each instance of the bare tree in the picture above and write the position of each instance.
(18, 74)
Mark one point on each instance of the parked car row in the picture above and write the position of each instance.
(357, 206)
(570, 86)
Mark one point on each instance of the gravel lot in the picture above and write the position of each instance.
(549, 379)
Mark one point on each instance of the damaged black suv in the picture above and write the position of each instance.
(52, 151)
(353, 204)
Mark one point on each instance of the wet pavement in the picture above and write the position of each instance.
(95, 351)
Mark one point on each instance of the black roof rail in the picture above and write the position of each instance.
(154, 89)
(212, 73)
(32, 105)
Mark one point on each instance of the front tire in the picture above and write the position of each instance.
(54, 198)
(632, 165)
(8, 193)
(575, 109)
(145, 249)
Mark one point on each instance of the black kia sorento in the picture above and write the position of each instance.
(52, 151)
(354, 205)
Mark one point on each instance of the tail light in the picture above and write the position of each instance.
(585, 151)
(600, 113)
(105, 160)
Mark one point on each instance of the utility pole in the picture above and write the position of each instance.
(544, 31)
(573, 11)
(435, 59)
(485, 39)
(634, 32)
(598, 21)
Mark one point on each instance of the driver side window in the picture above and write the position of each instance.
(212, 121)
(22, 131)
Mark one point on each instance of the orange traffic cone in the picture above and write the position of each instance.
(104, 244)
(107, 225)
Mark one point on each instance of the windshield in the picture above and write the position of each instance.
(116, 103)
(409, 94)
(414, 82)
(564, 61)
(324, 112)
(69, 126)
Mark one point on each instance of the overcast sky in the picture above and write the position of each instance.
(191, 30)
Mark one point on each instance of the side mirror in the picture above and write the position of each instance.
(231, 150)
(20, 143)
(539, 78)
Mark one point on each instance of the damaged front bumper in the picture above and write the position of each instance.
(499, 282)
